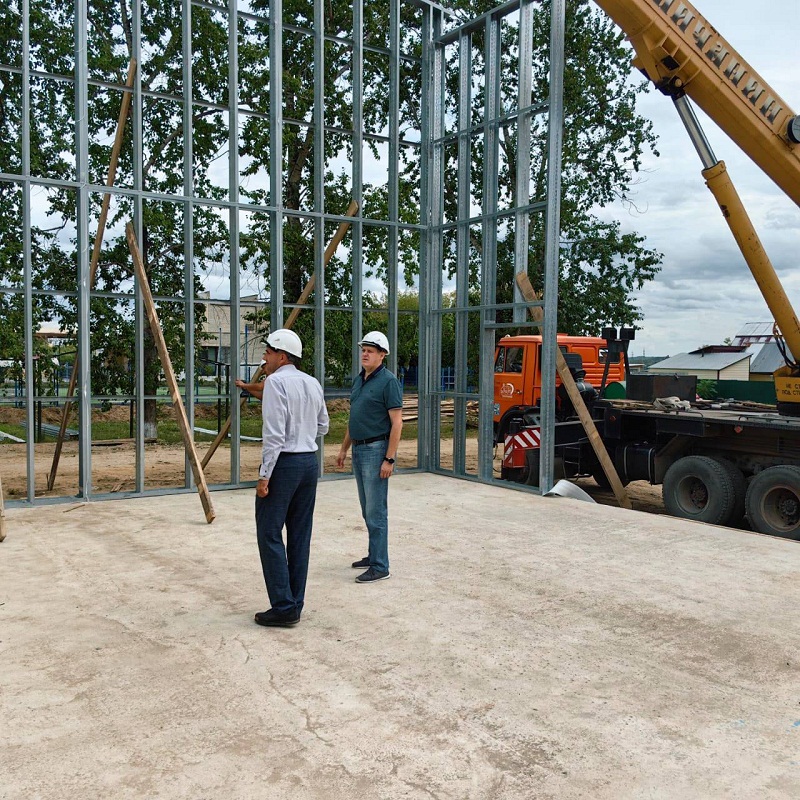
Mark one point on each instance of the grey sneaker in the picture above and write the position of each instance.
(372, 575)
(361, 563)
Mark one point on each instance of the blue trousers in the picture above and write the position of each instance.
(290, 502)
(373, 494)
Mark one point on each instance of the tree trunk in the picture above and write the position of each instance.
(151, 372)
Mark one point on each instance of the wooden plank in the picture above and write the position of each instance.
(577, 401)
(98, 243)
(352, 209)
(172, 381)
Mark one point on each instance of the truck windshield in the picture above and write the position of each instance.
(509, 359)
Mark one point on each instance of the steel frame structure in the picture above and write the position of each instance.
(489, 28)
(437, 31)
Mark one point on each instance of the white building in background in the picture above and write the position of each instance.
(215, 338)
(713, 362)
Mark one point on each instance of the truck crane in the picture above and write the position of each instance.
(714, 465)
(685, 57)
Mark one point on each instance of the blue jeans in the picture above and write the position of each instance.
(373, 494)
(291, 498)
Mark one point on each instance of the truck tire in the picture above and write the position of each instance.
(529, 474)
(531, 468)
(739, 492)
(773, 502)
(601, 479)
(699, 488)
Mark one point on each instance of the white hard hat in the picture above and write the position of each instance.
(286, 340)
(376, 339)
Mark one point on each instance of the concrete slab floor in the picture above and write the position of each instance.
(523, 648)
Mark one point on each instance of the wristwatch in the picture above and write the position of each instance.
(390, 460)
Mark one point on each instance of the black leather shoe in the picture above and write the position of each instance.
(277, 619)
(362, 564)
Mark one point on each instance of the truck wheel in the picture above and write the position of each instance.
(773, 502)
(530, 471)
(739, 491)
(699, 488)
(601, 479)
(511, 474)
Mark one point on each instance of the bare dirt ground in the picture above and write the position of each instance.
(113, 465)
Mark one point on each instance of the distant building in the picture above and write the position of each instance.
(713, 362)
(642, 363)
(755, 333)
(215, 338)
(765, 363)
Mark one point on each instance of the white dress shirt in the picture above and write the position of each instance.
(293, 415)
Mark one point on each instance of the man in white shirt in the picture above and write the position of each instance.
(294, 415)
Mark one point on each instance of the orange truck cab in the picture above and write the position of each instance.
(518, 373)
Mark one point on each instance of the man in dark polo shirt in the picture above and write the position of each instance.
(376, 420)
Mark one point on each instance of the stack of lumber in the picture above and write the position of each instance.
(411, 410)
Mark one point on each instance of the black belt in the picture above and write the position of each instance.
(372, 439)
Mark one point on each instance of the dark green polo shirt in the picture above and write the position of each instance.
(370, 401)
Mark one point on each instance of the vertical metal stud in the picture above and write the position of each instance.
(233, 234)
(319, 204)
(27, 267)
(84, 277)
(188, 225)
(489, 255)
(552, 237)
(393, 187)
(358, 177)
(276, 162)
(523, 176)
(423, 369)
(431, 275)
(462, 249)
(138, 223)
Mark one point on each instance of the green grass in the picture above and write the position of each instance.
(169, 431)
(14, 430)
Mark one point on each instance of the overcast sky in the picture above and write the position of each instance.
(705, 291)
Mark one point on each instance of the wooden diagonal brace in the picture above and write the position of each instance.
(575, 396)
(169, 373)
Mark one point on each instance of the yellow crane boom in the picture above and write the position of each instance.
(685, 56)
(679, 49)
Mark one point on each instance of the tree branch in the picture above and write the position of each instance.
(126, 27)
(162, 145)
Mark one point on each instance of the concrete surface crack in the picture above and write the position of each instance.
(309, 727)
(244, 647)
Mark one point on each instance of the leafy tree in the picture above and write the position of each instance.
(601, 268)
(298, 161)
(407, 325)
(50, 137)
(52, 123)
